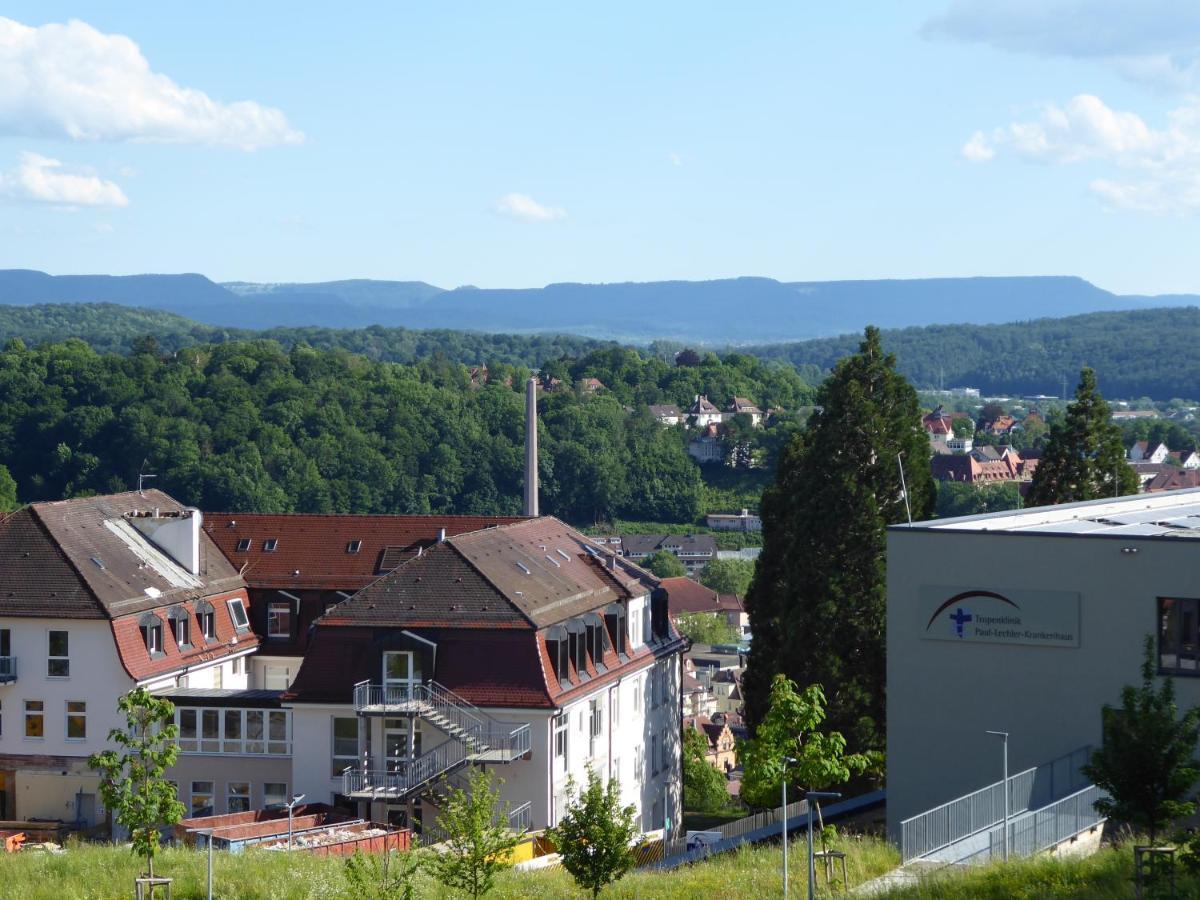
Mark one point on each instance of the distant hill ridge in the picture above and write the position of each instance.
(726, 311)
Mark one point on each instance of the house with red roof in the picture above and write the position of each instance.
(99, 595)
(296, 566)
(523, 646)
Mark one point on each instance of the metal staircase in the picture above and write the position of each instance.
(473, 738)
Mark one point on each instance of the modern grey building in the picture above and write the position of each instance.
(1028, 622)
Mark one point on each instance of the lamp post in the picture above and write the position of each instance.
(1003, 735)
(291, 806)
(208, 834)
(786, 760)
(810, 796)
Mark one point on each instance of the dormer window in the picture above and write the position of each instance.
(270, 544)
(237, 612)
(616, 617)
(556, 647)
(353, 546)
(208, 620)
(243, 545)
(181, 625)
(152, 634)
(577, 647)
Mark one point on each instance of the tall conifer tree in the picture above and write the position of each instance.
(818, 601)
(1084, 457)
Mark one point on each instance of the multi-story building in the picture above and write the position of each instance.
(97, 596)
(524, 647)
(695, 551)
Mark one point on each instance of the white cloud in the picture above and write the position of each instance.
(73, 81)
(675, 158)
(1156, 42)
(525, 208)
(1161, 165)
(39, 179)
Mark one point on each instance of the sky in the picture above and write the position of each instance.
(520, 144)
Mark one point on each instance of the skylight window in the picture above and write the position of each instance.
(243, 545)
(354, 546)
(237, 612)
(270, 544)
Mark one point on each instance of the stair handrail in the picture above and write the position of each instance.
(404, 775)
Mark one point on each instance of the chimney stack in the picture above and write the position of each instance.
(531, 453)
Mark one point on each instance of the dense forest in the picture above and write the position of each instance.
(252, 425)
(110, 328)
(1147, 353)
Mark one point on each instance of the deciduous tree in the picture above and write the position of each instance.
(665, 564)
(132, 781)
(818, 600)
(1147, 760)
(595, 835)
(478, 840)
(703, 786)
(728, 576)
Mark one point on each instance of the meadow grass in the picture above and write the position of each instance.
(96, 871)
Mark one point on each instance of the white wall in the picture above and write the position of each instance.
(96, 678)
(312, 749)
(943, 695)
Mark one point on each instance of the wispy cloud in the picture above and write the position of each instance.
(1155, 42)
(525, 208)
(1161, 166)
(75, 82)
(675, 159)
(39, 179)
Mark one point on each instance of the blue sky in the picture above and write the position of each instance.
(519, 144)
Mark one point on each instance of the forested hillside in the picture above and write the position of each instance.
(110, 328)
(248, 425)
(1148, 353)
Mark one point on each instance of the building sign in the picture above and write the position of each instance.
(980, 616)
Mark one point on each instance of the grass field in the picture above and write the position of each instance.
(108, 872)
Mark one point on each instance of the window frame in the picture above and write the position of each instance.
(354, 546)
(273, 619)
(243, 545)
(52, 657)
(237, 610)
(270, 545)
(268, 793)
(241, 796)
(560, 730)
(39, 715)
(80, 715)
(211, 793)
(1184, 607)
(334, 756)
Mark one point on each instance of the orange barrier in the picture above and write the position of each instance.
(14, 842)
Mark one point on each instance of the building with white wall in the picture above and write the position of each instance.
(97, 596)
(522, 648)
(1028, 622)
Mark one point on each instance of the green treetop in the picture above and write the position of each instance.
(1084, 458)
(595, 835)
(818, 601)
(665, 564)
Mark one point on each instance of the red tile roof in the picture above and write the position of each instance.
(312, 551)
(687, 596)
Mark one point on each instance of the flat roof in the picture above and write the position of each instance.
(1173, 514)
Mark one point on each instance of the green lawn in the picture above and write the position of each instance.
(107, 872)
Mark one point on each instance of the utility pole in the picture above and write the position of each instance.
(1004, 736)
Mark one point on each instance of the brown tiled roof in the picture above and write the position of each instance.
(1173, 480)
(316, 546)
(687, 596)
(438, 588)
(116, 576)
(36, 579)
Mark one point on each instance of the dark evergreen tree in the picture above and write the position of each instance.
(817, 604)
(1084, 458)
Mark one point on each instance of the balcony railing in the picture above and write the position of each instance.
(8, 669)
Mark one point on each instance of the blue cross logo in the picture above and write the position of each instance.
(960, 618)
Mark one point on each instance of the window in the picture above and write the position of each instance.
(345, 744)
(654, 754)
(233, 732)
(151, 626)
(646, 635)
(615, 618)
(639, 763)
(58, 663)
(181, 626)
(210, 731)
(239, 666)
(279, 619)
(243, 545)
(76, 720)
(35, 719)
(596, 719)
(255, 731)
(275, 793)
(637, 695)
(277, 731)
(187, 720)
(560, 737)
(208, 621)
(238, 799)
(276, 678)
(1178, 636)
(202, 799)
(237, 612)
(354, 546)
(270, 544)
(615, 705)
(252, 732)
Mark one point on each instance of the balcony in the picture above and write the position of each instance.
(8, 669)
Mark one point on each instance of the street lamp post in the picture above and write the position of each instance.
(786, 760)
(291, 806)
(1003, 735)
(810, 796)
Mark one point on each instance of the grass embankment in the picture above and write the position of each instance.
(1106, 875)
(107, 872)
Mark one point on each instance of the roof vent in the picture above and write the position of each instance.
(565, 556)
(524, 568)
(232, 523)
(98, 561)
(553, 561)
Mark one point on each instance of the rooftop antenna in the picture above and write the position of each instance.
(142, 477)
(904, 489)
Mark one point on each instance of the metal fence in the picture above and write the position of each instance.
(761, 820)
(973, 813)
(1041, 829)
